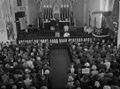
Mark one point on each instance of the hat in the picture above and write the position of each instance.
(34, 49)
(85, 49)
(27, 70)
(72, 70)
(32, 54)
(78, 88)
(87, 64)
(38, 58)
(94, 67)
(106, 87)
(47, 71)
(97, 83)
(17, 48)
(70, 78)
(44, 87)
(109, 46)
(98, 43)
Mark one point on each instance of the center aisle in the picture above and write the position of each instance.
(59, 63)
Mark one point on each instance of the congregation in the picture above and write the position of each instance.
(95, 65)
(59, 44)
(25, 66)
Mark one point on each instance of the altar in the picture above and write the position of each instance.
(61, 24)
(57, 16)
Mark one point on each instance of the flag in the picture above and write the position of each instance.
(10, 32)
(23, 23)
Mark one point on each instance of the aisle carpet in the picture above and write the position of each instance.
(59, 64)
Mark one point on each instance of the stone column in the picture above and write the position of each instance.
(118, 36)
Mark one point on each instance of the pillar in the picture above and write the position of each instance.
(118, 35)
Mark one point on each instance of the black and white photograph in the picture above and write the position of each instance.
(59, 44)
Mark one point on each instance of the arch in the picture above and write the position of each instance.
(56, 11)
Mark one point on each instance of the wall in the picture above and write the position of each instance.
(33, 12)
(4, 17)
(111, 3)
(3, 32)
(118, 35)
(81, 9)
(90, 7)
(78, 8)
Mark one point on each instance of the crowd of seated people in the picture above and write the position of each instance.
(95, 65)
(25, 66)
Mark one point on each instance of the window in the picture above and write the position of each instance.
(19, 2)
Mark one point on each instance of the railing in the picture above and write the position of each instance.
(56, 40)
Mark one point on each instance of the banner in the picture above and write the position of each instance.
(10, 31)
(98, 32)
(23, 23)
(3, 32)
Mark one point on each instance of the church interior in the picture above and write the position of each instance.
(59, 44)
